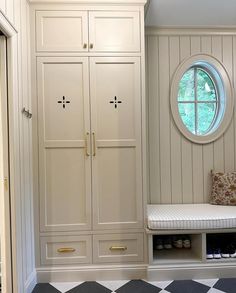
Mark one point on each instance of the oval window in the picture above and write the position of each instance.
(201, 99)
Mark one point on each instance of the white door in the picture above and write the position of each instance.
(116, 128)
(64, 143)
(4, 176)
(114, 31)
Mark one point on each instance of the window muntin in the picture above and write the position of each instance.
(198, 102)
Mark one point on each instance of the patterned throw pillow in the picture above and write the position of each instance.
(223, 188)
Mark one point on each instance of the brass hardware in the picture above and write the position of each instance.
(6, 183)
(85, 46)
(94, 145)
(123, 248)
(86, 144)
(65, 249)
(91, 46)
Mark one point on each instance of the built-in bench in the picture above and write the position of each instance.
(198, 221)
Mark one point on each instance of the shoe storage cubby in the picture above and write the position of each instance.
(220, 247)
(176, 248)
(199, 247)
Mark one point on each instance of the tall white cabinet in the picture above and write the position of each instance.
(88, 68)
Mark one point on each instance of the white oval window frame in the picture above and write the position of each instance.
(216, 132)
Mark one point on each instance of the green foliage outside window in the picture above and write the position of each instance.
(197, 101)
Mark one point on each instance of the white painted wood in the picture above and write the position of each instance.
(131, 248)
(219, 164)
(10, 10)
(114, 31)
(234, 83)
(229, 138)
(3, 6)
(82, 246)
(62, 31)
(189, 164)
(117, 170)
(165, 162)
(64, 166)
(6, 275)
(176, 171)
(23, 255)
(87, 273)
(153, 119)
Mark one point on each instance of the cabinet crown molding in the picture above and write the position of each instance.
(100, 2)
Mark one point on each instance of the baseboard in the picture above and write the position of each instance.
(31, 282)
(188, 272)
(91, 273)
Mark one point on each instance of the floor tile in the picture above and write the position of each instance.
(226, 285)
(162, 284)
(187, 286)
(213, 290)
(64, 287)
(88, 287)
(45, 288)
(113, 285)
(207, 282)
(138, 286)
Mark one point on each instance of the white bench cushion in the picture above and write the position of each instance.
(190, 216)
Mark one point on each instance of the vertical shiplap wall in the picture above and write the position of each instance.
(17, 13)
(179, 170)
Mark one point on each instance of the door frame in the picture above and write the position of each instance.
(14, 220)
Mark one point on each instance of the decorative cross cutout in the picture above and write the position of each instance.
(63, 102)
(115, 102)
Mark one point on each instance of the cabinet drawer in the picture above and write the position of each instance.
(66, 250)
(61, 31)
(118, 248)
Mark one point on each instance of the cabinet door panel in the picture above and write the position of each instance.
(117, 179)
(64, 168)
(114, 31)
(61, 30)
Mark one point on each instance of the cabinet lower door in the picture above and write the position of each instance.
(116, 126)
(63, 121)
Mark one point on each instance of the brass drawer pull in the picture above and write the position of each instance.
(66, 249)
(91, 46)
(86, 144)
(85, 46)
(123, 248)
(94, 144)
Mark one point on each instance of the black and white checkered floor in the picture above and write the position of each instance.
(140, 286)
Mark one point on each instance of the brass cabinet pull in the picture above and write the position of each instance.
(91, 46)
(6, 183)
(86, 144)
(66, 249)
(123, 248)
(85, 46)
(94, 145)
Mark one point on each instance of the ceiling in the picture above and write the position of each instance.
(191, 13)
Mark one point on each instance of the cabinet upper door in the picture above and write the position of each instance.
(64, 164)
(59, 31)
(114, 31)
(116, 124)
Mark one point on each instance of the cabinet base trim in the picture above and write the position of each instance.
(31, 282)
(180, 272)
(88, 273)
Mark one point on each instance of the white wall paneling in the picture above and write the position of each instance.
(179, 169)
(16, 13)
